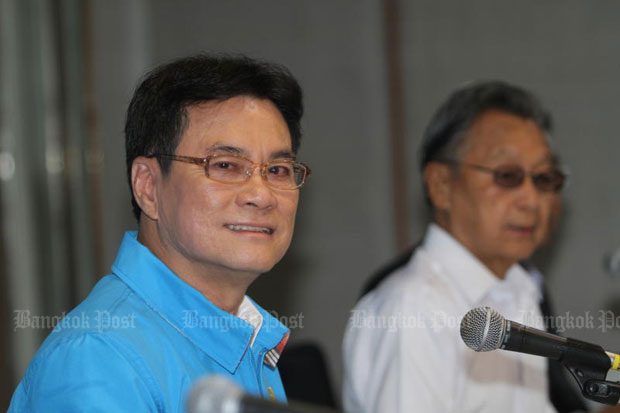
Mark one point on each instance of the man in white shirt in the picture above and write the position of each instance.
(493, 183)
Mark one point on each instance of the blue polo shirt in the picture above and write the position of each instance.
(140, 339)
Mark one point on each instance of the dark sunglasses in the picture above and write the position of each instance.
(513, 176)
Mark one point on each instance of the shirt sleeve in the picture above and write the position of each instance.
(86, 373)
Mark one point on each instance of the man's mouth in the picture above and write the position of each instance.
(523, 228)
(249, 228)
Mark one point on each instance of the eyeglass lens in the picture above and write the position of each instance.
(280, 174)
(513, 176)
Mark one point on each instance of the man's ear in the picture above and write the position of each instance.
(438, 180)
(144, 175)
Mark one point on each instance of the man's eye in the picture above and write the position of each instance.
(279, 170)
(225, 166)
(510, 175)
(507, 175)
(545, 177)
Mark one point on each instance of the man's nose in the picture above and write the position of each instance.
(529, 194)
(255, 191)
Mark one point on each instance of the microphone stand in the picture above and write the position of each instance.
(590, 369)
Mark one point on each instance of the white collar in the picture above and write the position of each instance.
(467, 271)
(248, 312)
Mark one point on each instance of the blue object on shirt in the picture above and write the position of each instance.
(139, 340)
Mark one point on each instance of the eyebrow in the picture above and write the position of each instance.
(502, 152)
(233, 150)
(283, 154)
(551, 159)
(228, 149)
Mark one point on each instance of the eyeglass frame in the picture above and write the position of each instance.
(204, 162)
(495, 171)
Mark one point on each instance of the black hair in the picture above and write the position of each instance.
(444, 135)
(157, 114)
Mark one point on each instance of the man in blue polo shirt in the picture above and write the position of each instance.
(211, 143)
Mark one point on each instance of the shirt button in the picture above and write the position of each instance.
(272, 394)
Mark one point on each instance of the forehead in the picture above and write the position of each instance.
(242, 121)
(496, 136)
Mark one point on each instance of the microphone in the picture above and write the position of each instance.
(217, 394)
(484, 329)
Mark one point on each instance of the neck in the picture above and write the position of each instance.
(498, 267)
(222, 289)
(222, 286)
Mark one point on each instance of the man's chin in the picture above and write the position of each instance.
(251, 260)
(251, 266)
(522, 254)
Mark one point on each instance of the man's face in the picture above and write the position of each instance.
(501, 225)
(207, 225)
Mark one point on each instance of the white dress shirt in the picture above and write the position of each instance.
(403, 351)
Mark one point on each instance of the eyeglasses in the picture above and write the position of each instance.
(231, 169)
(513, 176)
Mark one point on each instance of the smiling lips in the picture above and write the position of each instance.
(523, 229)
(249, 228)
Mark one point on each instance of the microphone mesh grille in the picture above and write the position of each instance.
(214, 394)
(482, 329)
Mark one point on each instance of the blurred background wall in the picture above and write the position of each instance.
(372, 72)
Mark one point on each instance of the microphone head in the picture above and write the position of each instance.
(483, 329)
(214, 394)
